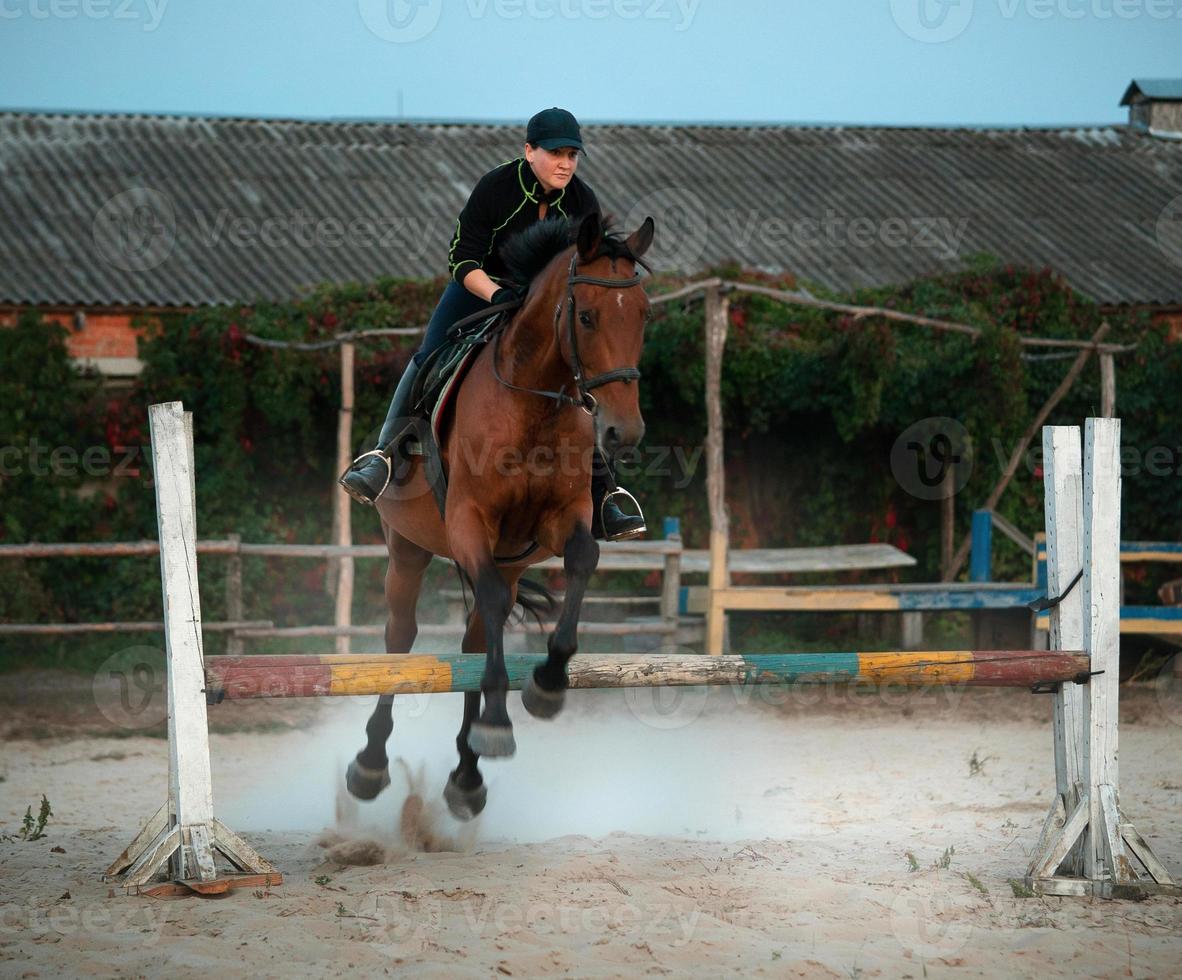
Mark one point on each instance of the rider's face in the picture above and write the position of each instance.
(553, 168)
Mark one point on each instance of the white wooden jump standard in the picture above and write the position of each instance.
(1086, 842)
(183, 833)
(1082, 848)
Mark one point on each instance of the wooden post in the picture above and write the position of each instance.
(234, 644)
(947, 523)
(671, 584)
(1105, 854)
(1063, 482)
(717, 310)
(1085, 724)
(1107, 385)
(183, 833)
(343, 523)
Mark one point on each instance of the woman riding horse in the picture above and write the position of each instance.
(505, 201)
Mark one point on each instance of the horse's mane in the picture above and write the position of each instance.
(529, 252)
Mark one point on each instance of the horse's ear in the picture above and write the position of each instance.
(639, 241)
(590, 235)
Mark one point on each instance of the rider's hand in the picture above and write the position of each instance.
(508, 294)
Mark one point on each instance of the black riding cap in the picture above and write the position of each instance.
(553, 128)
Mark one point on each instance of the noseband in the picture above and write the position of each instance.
(583, 384)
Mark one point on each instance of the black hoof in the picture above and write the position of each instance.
(365, 783)
(539, 702)
(491, 741)
(464, 804)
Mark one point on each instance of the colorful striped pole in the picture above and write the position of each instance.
(330, 675)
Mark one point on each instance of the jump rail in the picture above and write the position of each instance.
(1087, 847)
(331, 675)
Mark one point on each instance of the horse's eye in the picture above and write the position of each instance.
(585, 318)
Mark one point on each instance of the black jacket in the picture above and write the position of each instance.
(505, 201)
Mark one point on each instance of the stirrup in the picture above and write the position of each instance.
(361, 498)
(643, 529)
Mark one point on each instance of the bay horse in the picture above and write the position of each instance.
(559, 380)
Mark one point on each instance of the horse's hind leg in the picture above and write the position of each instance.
(545, 689)
(369, 773)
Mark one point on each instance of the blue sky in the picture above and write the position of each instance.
(924, 62)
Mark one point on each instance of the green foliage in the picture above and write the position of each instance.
(33, 828)
(813, 403)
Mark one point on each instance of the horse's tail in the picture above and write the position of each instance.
(533, 598)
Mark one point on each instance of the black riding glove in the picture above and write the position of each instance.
(509, 294)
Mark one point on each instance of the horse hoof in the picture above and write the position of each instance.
(539, 702)
(465, 804)
(365, 783)
(491, 741)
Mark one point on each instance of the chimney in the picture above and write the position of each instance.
(1155, 106)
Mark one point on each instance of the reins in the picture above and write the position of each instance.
(583, 385)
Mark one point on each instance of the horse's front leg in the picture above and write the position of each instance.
(545, 690)
(491, 735)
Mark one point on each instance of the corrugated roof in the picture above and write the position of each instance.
(162, 210)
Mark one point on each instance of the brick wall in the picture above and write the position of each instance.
(107, 339)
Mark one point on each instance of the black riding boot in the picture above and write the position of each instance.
(370, 472)
(608, 522)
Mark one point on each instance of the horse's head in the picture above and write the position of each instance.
(601, 327)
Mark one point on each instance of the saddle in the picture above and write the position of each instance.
(436, 387)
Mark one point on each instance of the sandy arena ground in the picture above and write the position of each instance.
(823, 834)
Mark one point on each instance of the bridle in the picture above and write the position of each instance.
(583, 385)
